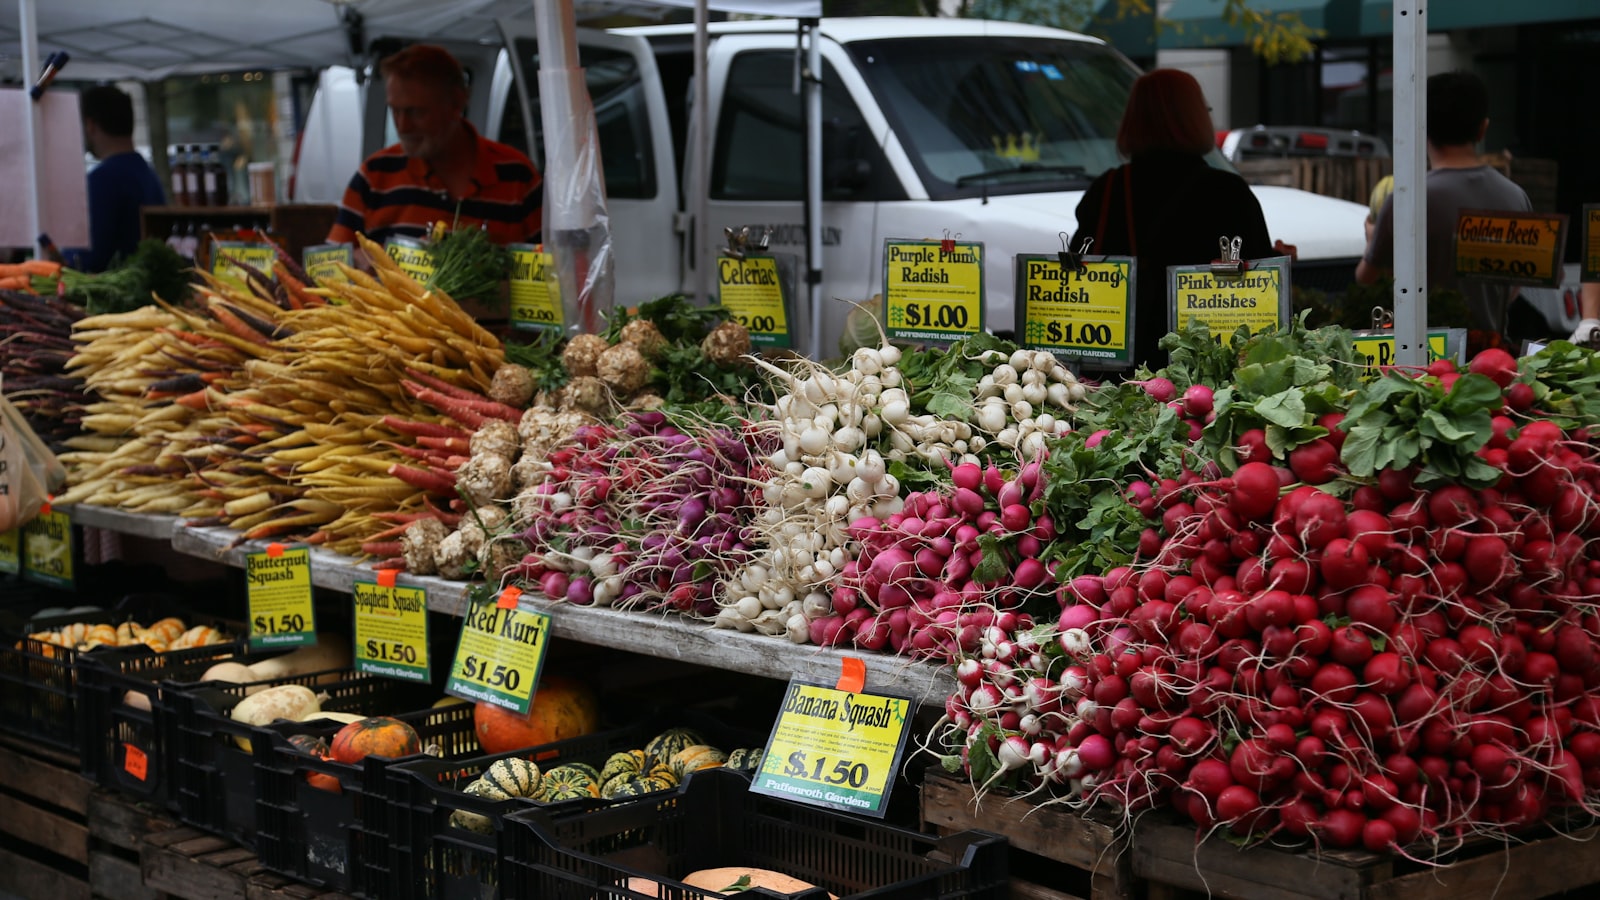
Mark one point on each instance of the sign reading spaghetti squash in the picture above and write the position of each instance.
(500, 656)
(932, 290)
(834, 748)
(751, 289)
(391, 627)
(1082, 313)
(412, 256)
(47, 550)
(278, 589)
(10, 551)
(1258, 298)
(1515, 247)
(229, 258)
(322, 262)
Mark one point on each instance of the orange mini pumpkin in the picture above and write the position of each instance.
(562, 708)
(375, 736)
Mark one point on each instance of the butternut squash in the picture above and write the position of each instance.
(331, 651)
(286, 701)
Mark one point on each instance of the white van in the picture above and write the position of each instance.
(931, 127)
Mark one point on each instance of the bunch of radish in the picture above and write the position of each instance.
(932, 579)
(648, 515)
(1355, 664)
(826, 472)
(1025, 400)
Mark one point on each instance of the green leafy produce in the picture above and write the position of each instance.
(1566, 383)
(154, 268)
(675, 316)
(682, 373)
(943, 381)
(469, 266)
(1400, 421)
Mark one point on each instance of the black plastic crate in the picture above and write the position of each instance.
(340, 840)
(118, 736)
(434, 859)
(715, 821)
(213, 778)
(39, 682)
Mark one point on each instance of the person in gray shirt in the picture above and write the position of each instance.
(1458, 115)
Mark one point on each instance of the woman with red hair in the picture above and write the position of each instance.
(1166, 206)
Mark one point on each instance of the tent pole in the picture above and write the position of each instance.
(701, 238)
(813, 92)
(1410, 183)
(28, 32)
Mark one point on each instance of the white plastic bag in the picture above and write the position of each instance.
(29, 472)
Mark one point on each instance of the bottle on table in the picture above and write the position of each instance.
(193, 177)
(179, 168)
(216, 177)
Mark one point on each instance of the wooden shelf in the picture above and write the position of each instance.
(649, 634)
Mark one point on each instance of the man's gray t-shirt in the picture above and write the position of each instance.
(1449, 192)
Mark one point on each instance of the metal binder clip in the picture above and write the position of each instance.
(1382, 318)
(740, 243)
(948, 245)
(1069, 259)
(1229, 263)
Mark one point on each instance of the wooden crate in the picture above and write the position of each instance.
(187, 863)
(1085, 851)
(1167, 859)
(59, 837)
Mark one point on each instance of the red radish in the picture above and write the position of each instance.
(1520, 396)
(1252, 447)
(1316, 462)
(1160, 389)
(1197, 401)
(1495, 364)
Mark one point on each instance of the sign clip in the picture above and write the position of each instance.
(1382, 318)
(1071, 261)
(740, 242)
(1229, 264)
(948, 244)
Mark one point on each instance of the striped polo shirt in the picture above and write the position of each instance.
(394, 195)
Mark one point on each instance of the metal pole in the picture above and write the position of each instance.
(1410, 187)
(28, 32)
(701, 236)
(813, 89)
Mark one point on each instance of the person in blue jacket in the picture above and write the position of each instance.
(119, 185)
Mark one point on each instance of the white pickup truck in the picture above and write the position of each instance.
(932, 127)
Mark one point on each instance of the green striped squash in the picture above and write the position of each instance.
(664, 746)
(516, 777)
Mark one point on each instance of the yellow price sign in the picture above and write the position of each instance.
(751, 289)
(1591, 242)
(535, 296)
(278, 590)
(391, 629)
(412, 256)
(1082, 312)
(1517, 247)
(322, 262)
(11, 551)
(1258, 298)
(501, 653)
(932, 290)
(47, 550)
(228, 259)
(1376, 348)
(835, 748)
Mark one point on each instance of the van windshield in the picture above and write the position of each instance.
(1000, 115)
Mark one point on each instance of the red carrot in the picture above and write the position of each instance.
(425, 479)
(421, 429)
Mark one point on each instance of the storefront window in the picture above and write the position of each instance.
(237, 113)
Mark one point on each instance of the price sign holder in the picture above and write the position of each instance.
(753, 289)
(1376, 347)
(1229, 293)
(412, 256)
(229, 257)
(1079, 308)
(836, 746)
(535, 295)
(322, 262)
(501, 653)
(1511, 247)
(278, 590)
(1591, 242)
(48, 550)
(11, 552)
(391, 628)
(932, 290)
